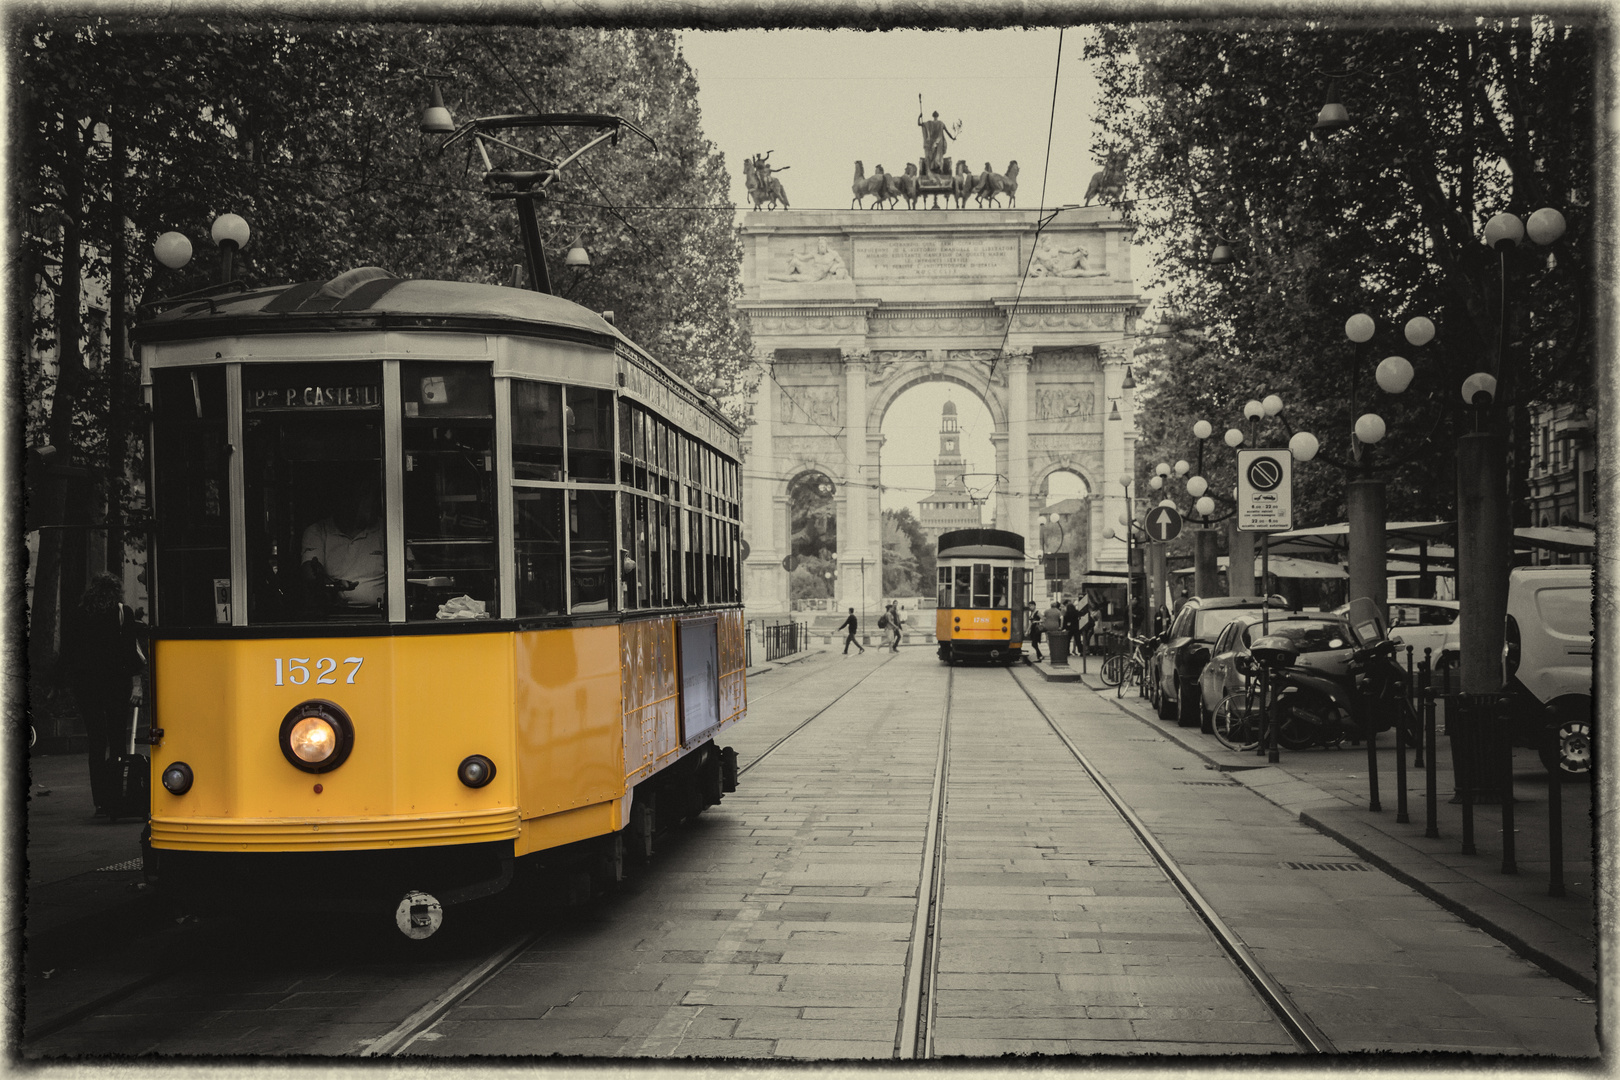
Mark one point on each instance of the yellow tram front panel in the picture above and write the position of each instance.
(419, 705)
(973, 624)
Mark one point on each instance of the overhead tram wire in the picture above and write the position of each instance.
(1042, 217)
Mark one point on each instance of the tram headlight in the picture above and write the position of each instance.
(177, 778)
(316, 736)
(475, 770)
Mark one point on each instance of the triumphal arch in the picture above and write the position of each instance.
(849, 309)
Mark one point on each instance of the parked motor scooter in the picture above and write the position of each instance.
(1353, 695)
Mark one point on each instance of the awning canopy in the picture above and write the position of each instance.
(1335, 539)
(1284, 567)
(1565, 538)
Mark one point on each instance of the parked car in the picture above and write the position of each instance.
(1547, 663)
(1181, 657)
(1424, 624)
(1322, 640)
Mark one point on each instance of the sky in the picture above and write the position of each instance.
(820, 100)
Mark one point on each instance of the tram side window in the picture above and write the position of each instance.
(190, 486)
(313, 465)
(998, 587)
(590, 550)
(537, 431)
(981, 585)
(964, 587)
(541, 551)
(627, 464)
(449, 429)
(944, 598)
(589, 416)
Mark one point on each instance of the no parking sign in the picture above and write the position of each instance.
(1265, 493)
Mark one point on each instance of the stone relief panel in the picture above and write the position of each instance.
(1069, 361)
(810, 405)
(970, 324)
(800, 260)
(1070, 320)
(808, 324)
(1064, 403)
(804, 363)
(805, 449)
(1052, 258)
(887, 361)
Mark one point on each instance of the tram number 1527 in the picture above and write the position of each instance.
(296, 670)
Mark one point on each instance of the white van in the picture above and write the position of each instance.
(1547, 663)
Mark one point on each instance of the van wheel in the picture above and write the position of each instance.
(1568, 748)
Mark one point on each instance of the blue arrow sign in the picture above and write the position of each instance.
(1163, 523)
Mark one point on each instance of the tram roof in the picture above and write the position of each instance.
(980, 543)
(371, 297)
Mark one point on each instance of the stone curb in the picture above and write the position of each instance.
(1448, 900)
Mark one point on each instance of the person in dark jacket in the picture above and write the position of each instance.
(852, 624)
(1032, 619)
(103, 654)
(1071, 623)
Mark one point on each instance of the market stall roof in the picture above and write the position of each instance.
(1284, 567)
(1334, 539)
(1566, 538)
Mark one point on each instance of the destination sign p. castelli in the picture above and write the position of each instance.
(1265, 490)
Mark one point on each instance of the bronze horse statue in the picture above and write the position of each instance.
(906, 186)
(880, 186)
(962, 184)
(762, 186)
(992, 184)
(1109, 181)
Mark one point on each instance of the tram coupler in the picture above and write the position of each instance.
(418, 915)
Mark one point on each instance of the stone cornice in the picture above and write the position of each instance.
(805, 309)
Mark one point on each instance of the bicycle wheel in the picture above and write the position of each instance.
(1113, 670)
(1139, 678)
(1237, 720)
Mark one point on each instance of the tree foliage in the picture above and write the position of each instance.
(130, 126)
(1454, 121)
(908, 556)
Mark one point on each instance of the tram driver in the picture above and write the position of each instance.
(344, 554)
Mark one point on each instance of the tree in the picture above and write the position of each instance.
(1455, 121)
(908, 557)
(131, 126)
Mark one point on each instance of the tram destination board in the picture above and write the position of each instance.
(1265, 491)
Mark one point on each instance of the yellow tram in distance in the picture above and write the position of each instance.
(983, 587)
(444, 577)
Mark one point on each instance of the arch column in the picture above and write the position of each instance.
(765, 582)
(857, 564)
(1016, 498)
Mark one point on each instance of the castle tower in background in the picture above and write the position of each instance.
(950, 506)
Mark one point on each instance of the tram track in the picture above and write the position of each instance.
(801, 725)
(1306, 1035)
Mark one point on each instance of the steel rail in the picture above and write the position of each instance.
(1298, 1025)
(806, 722)
(397, 1041)
(913, 1038)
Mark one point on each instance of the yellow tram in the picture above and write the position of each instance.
(983, 587)
(444, 576)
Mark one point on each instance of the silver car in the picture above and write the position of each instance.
(1423, 624)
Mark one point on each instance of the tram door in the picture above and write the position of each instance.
(1022, 584)
(700, 679)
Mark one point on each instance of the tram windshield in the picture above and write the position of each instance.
(316, 538)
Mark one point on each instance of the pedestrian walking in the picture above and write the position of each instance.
(1071, 623)
(896, 621)
(1032, 619)
(852, 624)
(102, 651)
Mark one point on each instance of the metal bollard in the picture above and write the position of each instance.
(1430, 796)
(1465, 778)
(1372, 771)
(1555, 831)
(1510, 864)
(1411, 693)
(1401, 817)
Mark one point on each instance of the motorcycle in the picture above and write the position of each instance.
(1355, 695)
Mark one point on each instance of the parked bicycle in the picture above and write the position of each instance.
(1129, 668)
